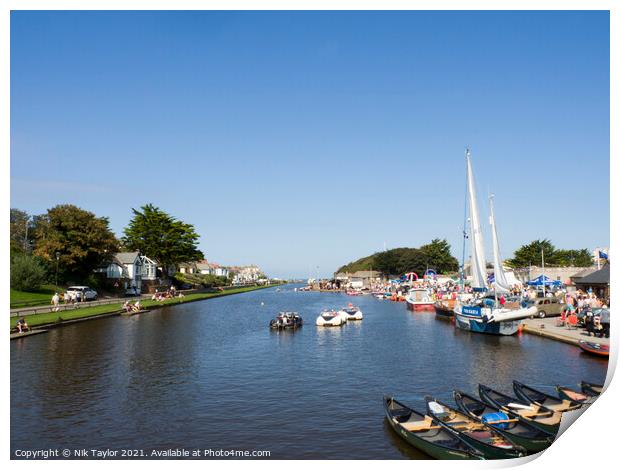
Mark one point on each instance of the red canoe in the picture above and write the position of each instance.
(595, 348)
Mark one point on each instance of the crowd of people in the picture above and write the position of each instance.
(168, 294)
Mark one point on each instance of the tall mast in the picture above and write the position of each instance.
(464, 227)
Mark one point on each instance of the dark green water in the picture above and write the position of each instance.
(211, 375)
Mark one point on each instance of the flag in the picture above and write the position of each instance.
(602, 254)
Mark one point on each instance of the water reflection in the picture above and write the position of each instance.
(213, 374)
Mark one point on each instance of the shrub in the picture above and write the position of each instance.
(27, 273)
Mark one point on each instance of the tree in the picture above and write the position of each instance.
(581, 258)
(531, 254)
(160, 236)
(435, 255)
(73, 241)
(27, 273)
(21, 225)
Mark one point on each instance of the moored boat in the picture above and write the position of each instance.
(486, 315)
(330, 318)
(444, 309)
(539, 416)
(531, 395)
(419, 300)
(426, 434)
(591, 389)
(489, 441)
(286, 321)
(352, 313)
(567, 393)
(601, 350)
(517, 430)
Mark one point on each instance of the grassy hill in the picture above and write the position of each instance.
(367, 263)
(397, 261)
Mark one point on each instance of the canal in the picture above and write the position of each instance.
(211, 375)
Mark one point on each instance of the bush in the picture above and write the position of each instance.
(27, 273)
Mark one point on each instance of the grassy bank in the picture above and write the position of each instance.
(42, 296)
(42, 319)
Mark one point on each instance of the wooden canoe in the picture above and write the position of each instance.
(591, 389)
(531, 395)
(537, 415)
(426, 434)
(518, 430)
(488, 440)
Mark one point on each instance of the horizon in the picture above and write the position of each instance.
(302, 141)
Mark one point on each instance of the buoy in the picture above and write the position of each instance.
(262, 303)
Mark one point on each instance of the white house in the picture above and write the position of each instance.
(132, 268)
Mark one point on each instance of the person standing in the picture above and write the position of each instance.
(55, 301)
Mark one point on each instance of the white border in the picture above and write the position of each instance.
(589, 443)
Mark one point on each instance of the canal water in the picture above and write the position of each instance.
(211, 375)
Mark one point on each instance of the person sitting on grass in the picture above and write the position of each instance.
(127, 306)
(136, 307)
(22, 325)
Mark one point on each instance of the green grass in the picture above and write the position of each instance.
(41, 319)
(42, 296)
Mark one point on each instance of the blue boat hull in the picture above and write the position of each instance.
(475, 323)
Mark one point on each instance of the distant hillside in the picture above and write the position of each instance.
(435, 255)
(367, 263)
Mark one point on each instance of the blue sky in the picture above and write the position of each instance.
(297, 140)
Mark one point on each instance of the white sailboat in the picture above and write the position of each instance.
(483, 315)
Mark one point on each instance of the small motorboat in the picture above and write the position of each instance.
(444, 309)
(531, 395)
(539, 416)
(352, 313)
(426, 434)
(517, 430)
(330, 318)
(420, 300)
(590, 389)
(286, 321)
(566, 393)
(601, 350)
(488, 440)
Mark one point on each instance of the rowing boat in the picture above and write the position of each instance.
(567, 393)
(531, 395)
(519, 431)
(492, 443)
(539, 416)
(590, 389)
(601, 350)
(426, 434)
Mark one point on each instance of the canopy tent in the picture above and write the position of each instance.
(544, 280)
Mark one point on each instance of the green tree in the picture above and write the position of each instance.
(161, 237)
(581, 258)
(21, 225)
(73, 241)
(27, 273)
(435, 255)
(531, 254)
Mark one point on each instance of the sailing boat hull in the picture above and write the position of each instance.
(469, 319)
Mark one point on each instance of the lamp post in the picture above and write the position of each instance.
(57, 261)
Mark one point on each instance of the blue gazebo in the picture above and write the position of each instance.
(543, 280)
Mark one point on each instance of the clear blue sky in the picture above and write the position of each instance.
(297, 140)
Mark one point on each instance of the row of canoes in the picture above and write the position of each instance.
(493, 426)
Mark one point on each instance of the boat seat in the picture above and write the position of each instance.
(422, 425)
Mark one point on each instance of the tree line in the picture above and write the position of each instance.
(436, 255)
(68, 243)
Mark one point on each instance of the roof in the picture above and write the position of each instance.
(597, 277)
(583, 273)
(127, 257)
